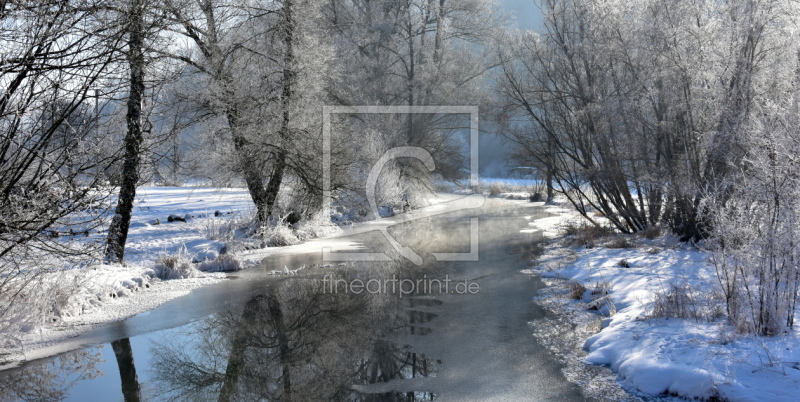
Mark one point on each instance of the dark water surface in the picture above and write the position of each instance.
(310, 338)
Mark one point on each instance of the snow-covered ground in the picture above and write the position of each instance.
(197, 205)
(90, 296)
(698, 357)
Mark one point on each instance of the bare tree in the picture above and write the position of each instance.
(680, 113)
(621, 112)
(54, 56)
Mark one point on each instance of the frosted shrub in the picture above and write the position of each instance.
(317, 225)
(218, 229)
(756, 232)
(175, 266)
(495, 189)
(585, 234)
(226, 229)
(22, 307)
(675, 302)
(46, 298)
(576, 290)
(223, 263)
(279, 234)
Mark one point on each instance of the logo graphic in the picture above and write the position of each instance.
(420, 154)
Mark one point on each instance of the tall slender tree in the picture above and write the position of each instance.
(118, 231)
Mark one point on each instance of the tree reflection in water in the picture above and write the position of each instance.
(295, 342)
(127, 370)
(51, 379)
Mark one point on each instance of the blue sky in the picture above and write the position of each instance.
(526, 12)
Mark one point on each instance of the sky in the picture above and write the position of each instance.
(525, 12)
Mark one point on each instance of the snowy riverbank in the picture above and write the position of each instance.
(649, 310)
(88, 297)
(83, 298)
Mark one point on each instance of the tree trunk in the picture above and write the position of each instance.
(274, 185)
(250, 169)
(118, 231)
(287, 95)
(550, 192)
(551, 168)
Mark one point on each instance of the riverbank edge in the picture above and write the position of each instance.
(567, 327)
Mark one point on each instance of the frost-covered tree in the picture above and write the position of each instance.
(568, 84)
(263, 66)
(755, 228)
(636, 106)
(136, 32)
(752, 202)
(678, 113)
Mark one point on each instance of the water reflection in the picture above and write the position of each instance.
(295, 341)
(127, 370)
(50, 380)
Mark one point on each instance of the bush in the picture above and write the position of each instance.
(651, 232)
(317, 225)
(755, 227)
(495, 189)
(586, 234)
(621, 242)
(576, 290)
(279, 234)
(218, 229)
(223, 263)
(226, 229)
(175, 266)
(675, 302)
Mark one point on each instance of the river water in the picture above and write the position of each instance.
(458, 330)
